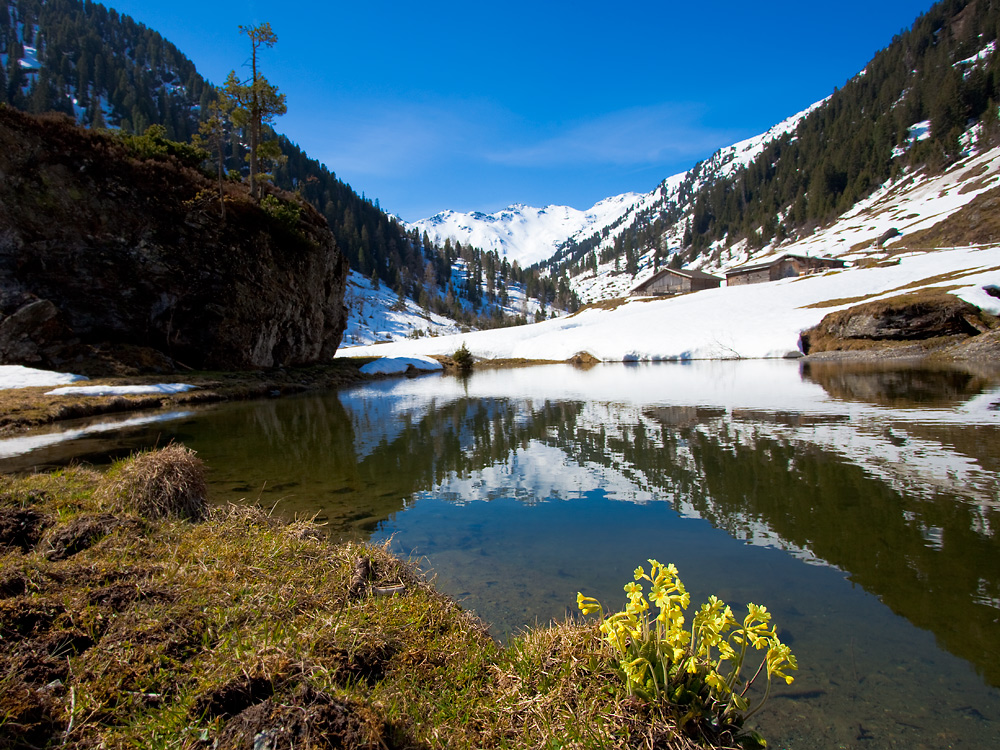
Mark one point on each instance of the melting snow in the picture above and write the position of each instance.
(399, 365)
(17, 376)
(120, 390)
(751, 321)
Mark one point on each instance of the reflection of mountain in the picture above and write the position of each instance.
(357, 457)
(934, 560)
(902, 497)
(903, 508)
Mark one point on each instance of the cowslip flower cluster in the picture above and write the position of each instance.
(697, 668)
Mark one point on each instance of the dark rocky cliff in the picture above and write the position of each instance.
(109, 260)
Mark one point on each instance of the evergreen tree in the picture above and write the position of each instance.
(256, 102)
(213, 136)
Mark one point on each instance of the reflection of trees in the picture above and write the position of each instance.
(928, 560)
(299, 451)
(302, 451)
(932, 558)
(464, 436)
(934, 561)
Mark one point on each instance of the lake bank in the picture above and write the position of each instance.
(121, 627)
(852, 501)
(23, 409)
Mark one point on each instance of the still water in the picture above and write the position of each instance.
(860, 505)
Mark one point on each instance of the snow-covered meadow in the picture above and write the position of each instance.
(752, 321)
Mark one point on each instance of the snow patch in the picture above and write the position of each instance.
(740, 322)
(20, 445)
(121, 390)
(399, 365)
(17, 376)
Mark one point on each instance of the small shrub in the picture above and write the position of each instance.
(157, 484)
(154, 144)
(462, 357)
(288, 214)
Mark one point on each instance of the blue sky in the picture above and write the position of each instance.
(473, 106)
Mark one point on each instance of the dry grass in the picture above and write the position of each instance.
(164, 633)
(932, 285)
(163, 483)
(839, 301)
(977, 223)
(607, 304)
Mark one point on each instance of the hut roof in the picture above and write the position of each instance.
(750, 267)
(688, 273)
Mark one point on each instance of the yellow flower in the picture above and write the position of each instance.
(587, 604)
(660, 597)
(715, 681)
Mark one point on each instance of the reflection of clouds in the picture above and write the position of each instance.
(536, 473)
(539, 472)
(907, 463)
(878, 439)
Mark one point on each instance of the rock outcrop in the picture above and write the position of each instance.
(907, 318)
(109, 256)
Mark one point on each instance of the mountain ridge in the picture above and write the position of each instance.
(921, 107)
(507, 230)
(523, 233)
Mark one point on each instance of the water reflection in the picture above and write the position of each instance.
(898, 384)
(860, 504)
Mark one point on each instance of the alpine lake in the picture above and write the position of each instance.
(859, 503)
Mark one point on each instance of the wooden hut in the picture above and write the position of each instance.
(676, 281)
(782, 267)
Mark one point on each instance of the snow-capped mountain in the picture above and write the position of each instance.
(532, 235)
(523, 233)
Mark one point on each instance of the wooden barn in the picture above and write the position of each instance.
(783, 267)
(677, 281)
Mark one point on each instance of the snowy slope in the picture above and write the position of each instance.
(375, 315)
(915, 201)
(523, 233)
(378, 315)
(763, 320)
(532, 235)
(672, 197)
(751, 321)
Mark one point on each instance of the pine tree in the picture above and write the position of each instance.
(213, 135)
(256, 102)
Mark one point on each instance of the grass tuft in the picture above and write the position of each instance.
(169, 482)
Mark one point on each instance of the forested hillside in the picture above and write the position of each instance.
(108, 71)
(925, 100)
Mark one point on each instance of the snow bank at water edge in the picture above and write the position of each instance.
(399, 365)
(755, 321)
(121, 390)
